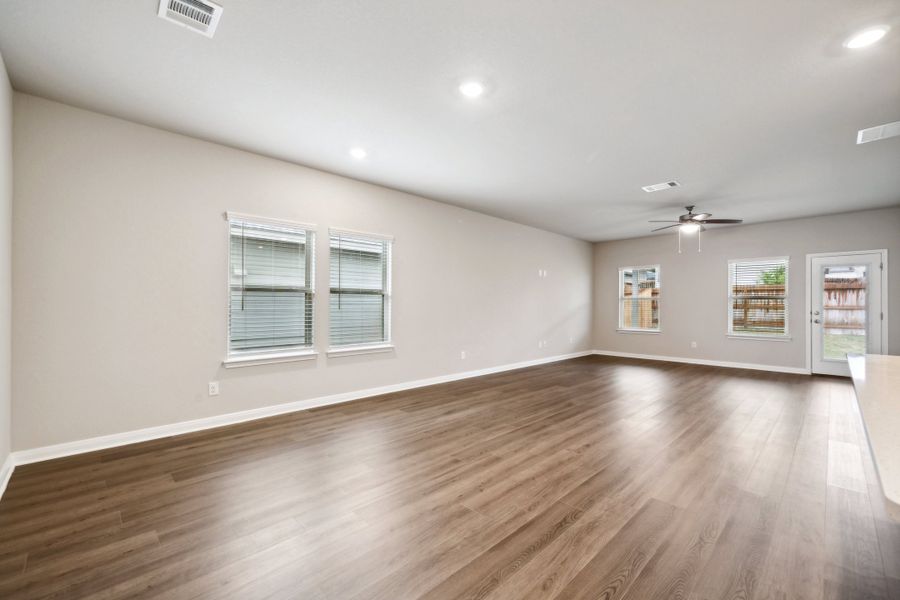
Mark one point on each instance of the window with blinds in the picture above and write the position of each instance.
(360, 278)
(639, 289)
(271, 266)
(757, 297)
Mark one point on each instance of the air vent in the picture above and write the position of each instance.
(881, 132)
(660, 186)
(197, 15)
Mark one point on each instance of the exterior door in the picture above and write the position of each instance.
(845, 302)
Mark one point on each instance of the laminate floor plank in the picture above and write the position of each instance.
(675, 569)
(615, 568)
(595, 477)
(795, 564)
(739, 554)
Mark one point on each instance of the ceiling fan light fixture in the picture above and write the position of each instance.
(690, 228)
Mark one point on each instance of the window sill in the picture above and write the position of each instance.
(268, 359)
(353, 350)
(652, 331)
(764, 338)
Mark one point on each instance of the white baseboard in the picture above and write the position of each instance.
(6, 472)
(708, 363)
(33, 455)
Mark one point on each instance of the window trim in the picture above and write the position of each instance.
(620, 285)
(271, 358)
(238, 216)
(374, 236)
(777, 337)
(262, 357)
(386, 345)
(354, 349)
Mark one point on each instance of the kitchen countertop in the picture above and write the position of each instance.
(876, 379)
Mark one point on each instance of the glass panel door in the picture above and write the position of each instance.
(846, 309)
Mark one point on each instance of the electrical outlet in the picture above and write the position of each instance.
(693, 344)
(213, 388)
(462, 355)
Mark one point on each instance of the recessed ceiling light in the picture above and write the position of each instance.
(866, 37)
(358, 153)
(471, 89)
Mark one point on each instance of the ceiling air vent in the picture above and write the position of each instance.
(201, 16)
(660, 186)
(873, 134)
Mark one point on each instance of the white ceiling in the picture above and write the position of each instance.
(753, 105)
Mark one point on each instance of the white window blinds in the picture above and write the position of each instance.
(757, 297)
(359, 302)
(271, 279)
(639, 294)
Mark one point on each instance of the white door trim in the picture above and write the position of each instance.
(808, 293)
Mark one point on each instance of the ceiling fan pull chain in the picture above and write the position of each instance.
(679, 240)
(699, 232)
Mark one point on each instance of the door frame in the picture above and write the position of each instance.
(884, 297)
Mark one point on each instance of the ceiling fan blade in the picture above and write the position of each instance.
(666, 227)
(724, 221)
(700, 216)
(664, 221)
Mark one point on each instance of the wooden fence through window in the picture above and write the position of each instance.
(757, 307)
(641, 311)
(844, 305)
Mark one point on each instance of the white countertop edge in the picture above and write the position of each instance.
(884, 440)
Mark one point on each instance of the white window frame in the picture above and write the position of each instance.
(621, 297)
(367, 348)
(776, 337)
(244, 358)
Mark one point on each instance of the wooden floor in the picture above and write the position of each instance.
(590, 478)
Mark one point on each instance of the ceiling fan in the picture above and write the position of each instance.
(693, 222)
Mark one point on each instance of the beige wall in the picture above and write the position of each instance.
(6, 194)
(120, 264)
(694, 305)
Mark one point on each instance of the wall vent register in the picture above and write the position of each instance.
(660, 186)
(879, 132)
(201, 16)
